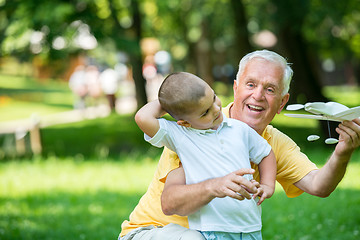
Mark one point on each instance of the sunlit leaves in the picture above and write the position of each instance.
(103, 10)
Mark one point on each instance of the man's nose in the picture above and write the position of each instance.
(258, 93)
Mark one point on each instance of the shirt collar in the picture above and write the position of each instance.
(226, 110)
(266, 133)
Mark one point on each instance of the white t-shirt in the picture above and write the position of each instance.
(215, 153)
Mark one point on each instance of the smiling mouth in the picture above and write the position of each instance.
(255, 108)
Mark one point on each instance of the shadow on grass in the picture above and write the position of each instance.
(60, 215)
(100, 138)
(113, 137)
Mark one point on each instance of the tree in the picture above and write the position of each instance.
(65, 20)
(288, 19)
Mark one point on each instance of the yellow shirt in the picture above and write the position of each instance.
(292, 165)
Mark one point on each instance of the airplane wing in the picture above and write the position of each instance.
(317, 117)
(327, 109)
(349, 114)
(330, 111)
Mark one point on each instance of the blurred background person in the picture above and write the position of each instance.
(109, 81)
(153, 79)
(92, 79)
(78, 86)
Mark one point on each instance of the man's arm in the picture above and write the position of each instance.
(181, 199)
(322, 182)
(147, 117)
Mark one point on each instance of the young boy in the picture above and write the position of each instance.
(210, 145)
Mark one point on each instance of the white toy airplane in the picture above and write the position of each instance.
(331, 111)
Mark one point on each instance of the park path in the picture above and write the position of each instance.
(123, 106)
(25, 125)
(32, 125)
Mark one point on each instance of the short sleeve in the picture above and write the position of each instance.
(258, 146)
(163, 137)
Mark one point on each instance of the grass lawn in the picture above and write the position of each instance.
(71, 199)
(31, 96)
(92, 173)
(68, 199)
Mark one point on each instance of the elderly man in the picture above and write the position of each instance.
(260, 92)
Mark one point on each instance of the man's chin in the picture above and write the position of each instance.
(252, 122)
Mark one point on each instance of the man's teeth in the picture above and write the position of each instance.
(255, 107)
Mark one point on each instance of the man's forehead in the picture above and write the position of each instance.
(259, 66)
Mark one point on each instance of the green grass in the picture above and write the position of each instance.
(91, 174)
(72, 199)
(21, 97)
(69, 199)
(347, 95)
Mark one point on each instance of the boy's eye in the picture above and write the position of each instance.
(205, 113)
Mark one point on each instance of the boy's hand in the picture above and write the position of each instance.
(263, 192)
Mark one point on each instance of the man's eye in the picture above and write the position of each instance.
(250, 85)
(271, 90)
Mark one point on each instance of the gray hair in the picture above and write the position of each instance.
(269, 56)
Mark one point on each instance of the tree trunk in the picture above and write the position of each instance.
(203, 55)
(136, 58)
(134, 50)
(242, 44)
(305, 86)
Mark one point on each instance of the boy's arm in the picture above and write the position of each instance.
(267, 170)
(147, 117)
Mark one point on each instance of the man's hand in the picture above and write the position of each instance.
(232, 185)
(322, 182)
(176, 194)
(349, 138)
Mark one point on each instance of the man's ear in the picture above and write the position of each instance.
(235, 86)
(284, 100)
(183, 123)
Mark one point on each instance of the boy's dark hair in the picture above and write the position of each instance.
(180, 92)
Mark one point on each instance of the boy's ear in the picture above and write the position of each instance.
(183, 123)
